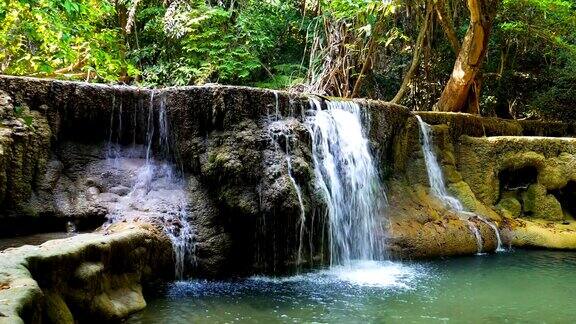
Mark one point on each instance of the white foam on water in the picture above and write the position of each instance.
(376, 274)
(366, 273)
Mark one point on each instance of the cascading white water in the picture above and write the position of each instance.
(438, 186)
(157, 193)
(435, 176)
(347, 175)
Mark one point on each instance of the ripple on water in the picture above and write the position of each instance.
(521, 286)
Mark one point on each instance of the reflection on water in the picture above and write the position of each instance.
(524, 286)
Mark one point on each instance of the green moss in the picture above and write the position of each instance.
(511, 205)
(538, 203)
(556, 172)
(451, 174)
(463, 192)
(472, 125)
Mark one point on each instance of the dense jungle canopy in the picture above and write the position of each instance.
(509, 58)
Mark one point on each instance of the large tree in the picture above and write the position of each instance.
(462, 90)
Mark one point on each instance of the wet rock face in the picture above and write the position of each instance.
(238, 183)
(244, 154)
(24, 150)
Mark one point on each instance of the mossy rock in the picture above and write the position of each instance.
(451, 174)
(544, 234)
(510, 205)
(538, 203)
(557, 172)
(56, 309)
(463, 192)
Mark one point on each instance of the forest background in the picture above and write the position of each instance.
(506, 58)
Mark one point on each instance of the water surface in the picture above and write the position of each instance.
(521, 286)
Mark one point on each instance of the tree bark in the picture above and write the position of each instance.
(447, 25)
(415, 59)
(471, 56)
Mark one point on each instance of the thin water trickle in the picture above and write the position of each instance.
(476, 232)
(276, 130)
(302, 221)
(158, 193)
(499, 246)
(348, 178)
(438, 187)
(435, 176)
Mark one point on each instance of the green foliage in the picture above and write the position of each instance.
(213, 43)
(284, 76)
(314, 45)
(60, 37)
(23, 114)
(533, 54)
(538, 25)
(556, 100)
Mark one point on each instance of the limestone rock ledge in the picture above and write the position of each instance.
(540, 233)
(89, 277)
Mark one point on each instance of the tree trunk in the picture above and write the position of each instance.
(415, 58)
(447, 25)
(122, 21)
(471, 56)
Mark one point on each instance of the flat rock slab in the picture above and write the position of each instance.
(96, 276)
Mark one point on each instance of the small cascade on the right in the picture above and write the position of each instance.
(438, 187)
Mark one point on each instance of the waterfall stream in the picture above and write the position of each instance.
(438, 187)
(347, 175)
(155, 192)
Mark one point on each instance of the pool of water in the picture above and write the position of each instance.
(521, 286)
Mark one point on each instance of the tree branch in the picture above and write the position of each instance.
(416, 56)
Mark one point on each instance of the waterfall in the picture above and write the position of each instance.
(435, 176)
(347, 176)
(438, 187)
(157, 193)
(476, 232)
(302, 221)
